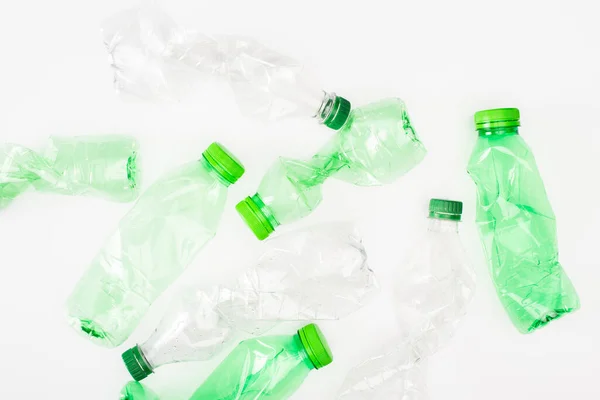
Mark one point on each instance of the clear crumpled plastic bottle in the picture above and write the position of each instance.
(153, 59)
(155, 241)
(431, 296)
(319, 273)
(517, 224)
(375, 147)
(100, 165)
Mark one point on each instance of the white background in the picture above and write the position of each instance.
(446, 59)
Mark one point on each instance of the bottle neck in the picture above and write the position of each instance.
(213, 172)
(265, 210)
(442, 225)
(299, 345)
(326, 108)
(503, 131)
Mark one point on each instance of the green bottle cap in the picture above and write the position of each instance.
(445, 209)
(315, 345)
(339, 113)
(498, 118)
(136, 363)
(225, 163)
(253, 216)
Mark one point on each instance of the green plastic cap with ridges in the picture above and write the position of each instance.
(340, 111)
(445, 209)
(315, 345)
(224, 162)
(498, 118)
(136, 363)
(253, 216)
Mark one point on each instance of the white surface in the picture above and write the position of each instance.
(446, 59)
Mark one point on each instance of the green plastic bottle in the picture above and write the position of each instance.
(103, 166)
(375, 146)
(517, 224)
(270, 367)
(153, 244)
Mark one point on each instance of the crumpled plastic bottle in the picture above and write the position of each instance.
(153, 58)
(171, 222)
(269, 367)
(375, 147)
(102, 166)
(431, 296)
(517, 224)
(319, 273)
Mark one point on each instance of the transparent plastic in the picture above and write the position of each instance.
(271, 367)
(155, 59)
(172, 220)
(431, 296)
(102, 166)
(319, 273)
(518, 230)
(376, 146)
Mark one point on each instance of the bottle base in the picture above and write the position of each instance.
(93, 331)
(548, 317)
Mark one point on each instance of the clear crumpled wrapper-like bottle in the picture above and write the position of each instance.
(319, 273)
(432, 294)
(154, 58)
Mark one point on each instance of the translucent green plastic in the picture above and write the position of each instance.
(103, 166)
(376, 146)
(152, 246)
(137, 391)
(271, 367)
(518, 230)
